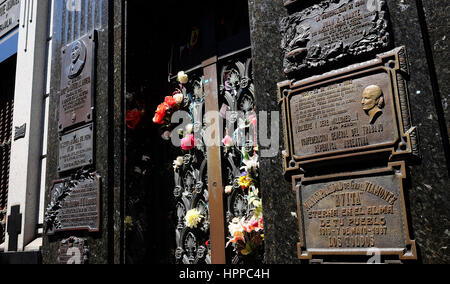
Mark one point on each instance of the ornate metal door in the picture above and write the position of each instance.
(216, 184)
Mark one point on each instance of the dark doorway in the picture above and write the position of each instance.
(161, 41)
(7, 86)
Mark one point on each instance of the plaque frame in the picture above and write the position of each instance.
(408, 253)
(394, 63)
(53, 208)
(86, 69)
(90, 158)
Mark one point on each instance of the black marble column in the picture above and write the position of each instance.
(99, 15)
(279, 201)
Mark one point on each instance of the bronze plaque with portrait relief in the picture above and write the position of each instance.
(358, 213)
(77, 82)
(359, 109)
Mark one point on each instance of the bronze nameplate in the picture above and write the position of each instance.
(334, 30)
(73, 251)
(360, 109)
(354, 214)
(76, 149)
(75, 205)
(77, 82)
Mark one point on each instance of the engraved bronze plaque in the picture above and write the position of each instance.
(360, 109)
(9, 15)
(332, 31)
(76, 149)
(77, 82)
(75, 205)
(354, 214)
(73, 251)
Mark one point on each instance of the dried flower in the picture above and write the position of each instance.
(193, 218)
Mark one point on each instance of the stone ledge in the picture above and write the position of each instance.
(34, 257)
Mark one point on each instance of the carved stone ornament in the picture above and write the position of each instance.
(353, 112)
(359, 214)
(333, 31)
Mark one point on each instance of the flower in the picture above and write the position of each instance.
(228, 141)
(229, 189)
(189, 128)
(182, 77)
(245, 181)
(178, 97)
(252, 164)
(193, 218)
(188, 143)
(170, 101)
(133, 118)
(236, 231)
(178, 163)
(161, 113)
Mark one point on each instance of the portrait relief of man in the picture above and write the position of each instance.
(77, 58)
(373, 102)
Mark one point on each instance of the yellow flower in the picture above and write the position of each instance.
(193, 218)
(245, 181)
(128, 222)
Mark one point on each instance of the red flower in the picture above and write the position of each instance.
(170, 101)
(133, 118)
(161, 113)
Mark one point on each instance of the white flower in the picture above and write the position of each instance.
(179, 98)
(183, 77)
(193, 218)
(251, 165)
(189, 128)
(235, 228)
(229, 189)
(178, 163)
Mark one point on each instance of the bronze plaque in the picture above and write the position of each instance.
(73, 251)
(354, 214)
(334, 30)
(75, 205)
(355, 110)
(77, 82)
(76, 149)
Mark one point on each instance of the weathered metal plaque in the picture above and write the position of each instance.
(75, 205)
(355, 110)
(9, 15)
(354, 214)
(77, 82)
(76, 149)
(332, 31)
(73, 251)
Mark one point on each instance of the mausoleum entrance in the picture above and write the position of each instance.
(187, 202)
